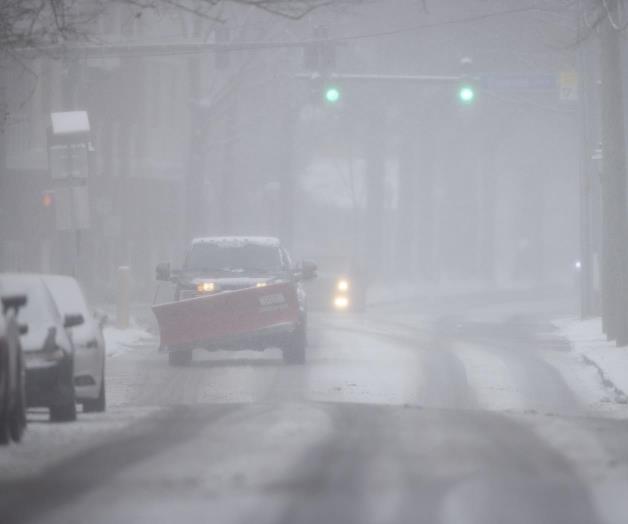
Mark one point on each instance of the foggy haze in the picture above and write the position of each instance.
(410, 216)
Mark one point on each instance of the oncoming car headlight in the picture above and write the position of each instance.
(206, 287)
(341, 302)
(342, 285)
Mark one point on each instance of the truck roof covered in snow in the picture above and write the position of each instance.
(238, 241)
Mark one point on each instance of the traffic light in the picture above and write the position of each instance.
(47, 213)
(466, 93)
(466, 82)
(332, 94)
(47, 199)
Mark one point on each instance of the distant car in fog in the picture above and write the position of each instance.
(219, 264)
(89, 343)
(340, 286)
(12, 392)
(47, 346)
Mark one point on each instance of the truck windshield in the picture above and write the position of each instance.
(247, 257)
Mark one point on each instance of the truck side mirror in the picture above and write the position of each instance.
(163, 271)
(308, 270)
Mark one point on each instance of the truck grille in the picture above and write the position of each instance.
(187, 293)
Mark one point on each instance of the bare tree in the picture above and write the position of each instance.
(37, 23)
(33, 23)
(293, 9)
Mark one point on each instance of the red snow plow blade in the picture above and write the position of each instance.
(229, 316)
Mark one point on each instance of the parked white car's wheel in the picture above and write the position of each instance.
(99, 404)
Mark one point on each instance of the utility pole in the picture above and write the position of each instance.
(406, 214)
(586, 269)
(287, 181)
(228, 182)
(194, 175)
(488, 211)
(375, 187)
(615, 230)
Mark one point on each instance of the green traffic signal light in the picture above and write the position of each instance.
(466, 94)
(332, 94)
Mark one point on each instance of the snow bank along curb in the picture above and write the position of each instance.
(590, 344)
(122, 340)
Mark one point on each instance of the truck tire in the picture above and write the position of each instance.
(179, 357)
(294, 348)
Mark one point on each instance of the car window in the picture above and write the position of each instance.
(67, 295)
(248, 257)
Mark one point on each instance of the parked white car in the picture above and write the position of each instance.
(89, 343)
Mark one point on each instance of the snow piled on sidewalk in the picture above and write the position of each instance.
(119, 341)
(588, 342)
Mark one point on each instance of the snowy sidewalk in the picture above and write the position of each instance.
(119, 341)
(590, 344)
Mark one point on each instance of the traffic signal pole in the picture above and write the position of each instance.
(586, 268)
(375, 170)
(287, 176)
(615, 227)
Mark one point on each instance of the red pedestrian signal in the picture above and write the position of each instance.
(47, 199)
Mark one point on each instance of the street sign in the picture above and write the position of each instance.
(568, 86)
(518, 81)
(70, 123)
(68, 161)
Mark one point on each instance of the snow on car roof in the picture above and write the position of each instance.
(238, 241)
(16, 281)
(39, 304)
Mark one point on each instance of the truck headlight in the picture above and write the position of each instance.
(206, 287)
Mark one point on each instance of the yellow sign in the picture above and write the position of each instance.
(569, 86)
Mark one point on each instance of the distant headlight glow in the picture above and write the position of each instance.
(206, 287)
(261, 284)
(341, 302)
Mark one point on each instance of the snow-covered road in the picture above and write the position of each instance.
(410, 413)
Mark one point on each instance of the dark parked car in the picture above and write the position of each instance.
(12, 394)
(47, 347)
